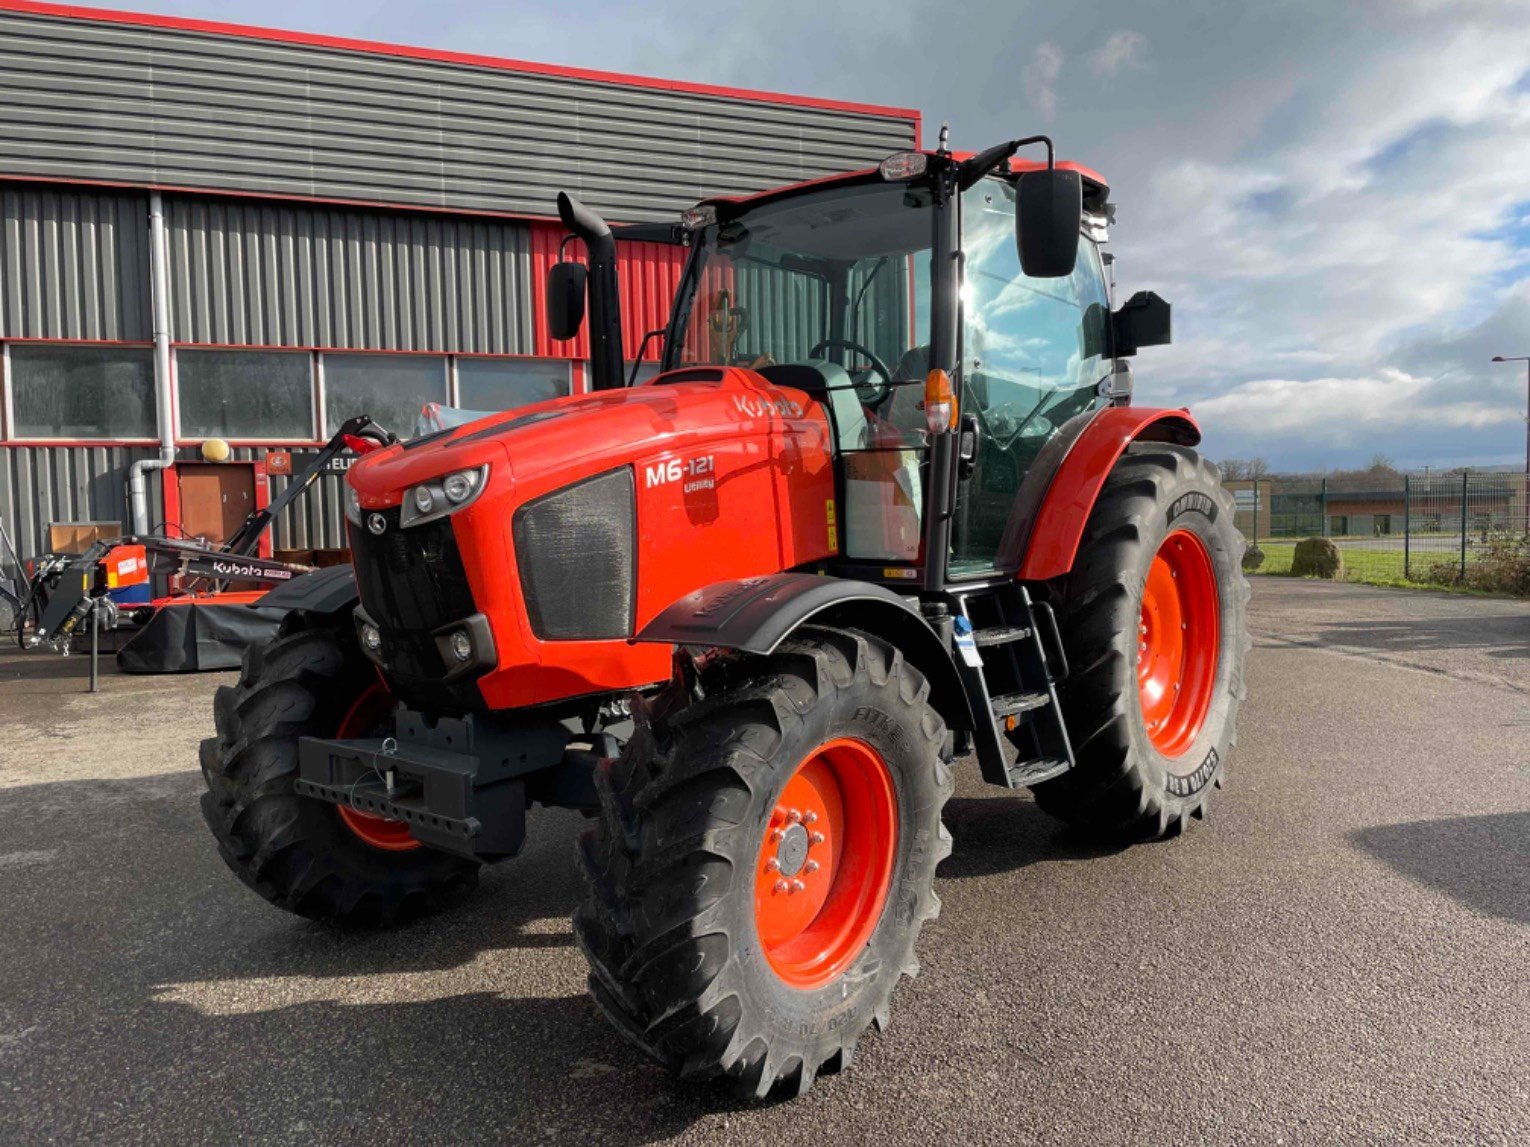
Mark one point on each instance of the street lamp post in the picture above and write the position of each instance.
(1526, 360)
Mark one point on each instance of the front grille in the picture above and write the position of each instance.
(577, 551)
(411, 583)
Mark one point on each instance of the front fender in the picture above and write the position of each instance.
(1059, 523)
(755, 614)
(322, 591)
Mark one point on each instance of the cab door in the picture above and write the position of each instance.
(1034, 352)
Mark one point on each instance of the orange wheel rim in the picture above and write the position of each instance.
(1178, 637)
(826, 862)
(378, 831)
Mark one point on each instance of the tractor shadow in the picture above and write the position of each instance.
(1481, 862)
(1505, 635)
(1004, 834)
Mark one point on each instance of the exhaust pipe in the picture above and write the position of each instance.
(604, 292)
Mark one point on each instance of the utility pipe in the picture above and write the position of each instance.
(159, 292)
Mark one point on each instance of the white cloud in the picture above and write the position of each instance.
(1120, 51)
(1040, 78)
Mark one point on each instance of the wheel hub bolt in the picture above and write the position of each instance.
(810, 818)
(816, 838)
(772, 865)
(797, 886)
(782, 886)
(810, 867)
(794, 815)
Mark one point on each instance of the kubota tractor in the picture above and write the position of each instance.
(887, 505)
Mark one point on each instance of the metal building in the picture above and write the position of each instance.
(328, 226)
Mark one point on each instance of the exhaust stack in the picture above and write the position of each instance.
(604, 292)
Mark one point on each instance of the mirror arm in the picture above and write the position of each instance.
(983, 162)
(658, 333)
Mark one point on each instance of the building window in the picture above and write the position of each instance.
(505, 383)
(646, 372)
(245, 394)
(82, 391)
(391, 389)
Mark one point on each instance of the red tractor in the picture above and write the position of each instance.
(886, 505)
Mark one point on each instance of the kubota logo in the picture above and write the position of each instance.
(753, 407)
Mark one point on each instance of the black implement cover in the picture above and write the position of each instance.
(197, 635)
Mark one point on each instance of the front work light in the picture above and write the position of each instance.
(702, 215)
(903, 165)
(939, 402)
(431, 500)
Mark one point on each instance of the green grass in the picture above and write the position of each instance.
(1382, 567)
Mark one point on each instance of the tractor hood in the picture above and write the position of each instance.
(589, 433)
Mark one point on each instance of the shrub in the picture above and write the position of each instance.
(1317, 557)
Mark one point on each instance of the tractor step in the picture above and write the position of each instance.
(1011, 703)
(1010, 672)
(1023, 773)
(1001, 635)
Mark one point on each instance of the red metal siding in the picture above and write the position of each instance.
(649, 273)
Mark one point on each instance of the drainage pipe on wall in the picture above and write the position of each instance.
(159, 289)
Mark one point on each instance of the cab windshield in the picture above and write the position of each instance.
(839, 279)
(806, 277)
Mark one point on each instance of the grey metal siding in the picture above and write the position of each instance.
(41, 485)
(292, 275)
(317, 519)
(135, 104)
(73, 264)
(46, 484)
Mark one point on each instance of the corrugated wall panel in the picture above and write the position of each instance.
(73, 264)
(43, 485)
(119, 102)
(46, 484)
(314, 521)
(284, 275)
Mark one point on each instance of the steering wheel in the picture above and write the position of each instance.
(878, 393)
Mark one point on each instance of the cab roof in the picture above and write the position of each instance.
(1096, 190)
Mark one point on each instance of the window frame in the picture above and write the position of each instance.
(449, 373)
(568, 369)
(182, 438)
(9, 435)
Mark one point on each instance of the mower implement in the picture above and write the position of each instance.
(887, 504)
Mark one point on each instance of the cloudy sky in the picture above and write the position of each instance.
(1335, 197)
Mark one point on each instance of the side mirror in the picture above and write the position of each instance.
(1143, 320)
(565, 300)
(1047, 222)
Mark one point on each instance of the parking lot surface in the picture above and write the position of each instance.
(1340, 952)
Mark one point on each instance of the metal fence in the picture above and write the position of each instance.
(1425, 527)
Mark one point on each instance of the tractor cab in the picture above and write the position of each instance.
(949, 334)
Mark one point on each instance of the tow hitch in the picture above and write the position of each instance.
(458, 783)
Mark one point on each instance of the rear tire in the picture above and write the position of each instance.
(295, 851)
(1145, 761)
(680, 884)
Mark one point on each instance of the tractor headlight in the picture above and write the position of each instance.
(352, 505)
(431, 500)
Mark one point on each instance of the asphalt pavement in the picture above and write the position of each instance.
(1341, 952)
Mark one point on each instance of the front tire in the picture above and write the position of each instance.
(301, 854)
(727, 936)
(1153, 621)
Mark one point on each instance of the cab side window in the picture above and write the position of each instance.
(1033, 354)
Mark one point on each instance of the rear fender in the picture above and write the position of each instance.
(1059, 522)
(756, 614)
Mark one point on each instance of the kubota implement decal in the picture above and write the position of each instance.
(1196, 781)
(1200, 503)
